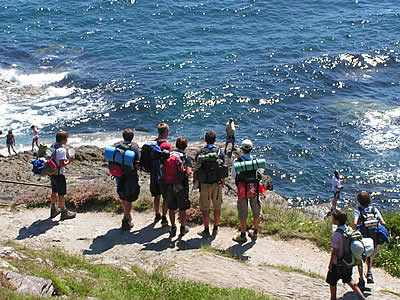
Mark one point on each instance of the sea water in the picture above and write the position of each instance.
(314, 84)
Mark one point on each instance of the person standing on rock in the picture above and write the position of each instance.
(35, 138)
(230, 128)
(208, 162)
(336, 271)
(337, 187)
(10, 141)
(177, 170)
(248, 189)
(58, 182)
(128, 188)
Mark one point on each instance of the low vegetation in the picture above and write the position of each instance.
(76, 278)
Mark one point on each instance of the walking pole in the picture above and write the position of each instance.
(25, 183)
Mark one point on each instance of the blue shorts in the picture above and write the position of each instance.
(230, 139)
(336, 194)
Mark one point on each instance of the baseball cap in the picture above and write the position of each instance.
(246, 145)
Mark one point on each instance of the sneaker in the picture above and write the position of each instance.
(126, 224)
(164, 221)
(361, 284)
(204, 234)
(172, 231)
(215, 231)
(184, 230)
(157, 218)
(370, 278)
(253, 235)
(240, 239)
(65, 215)
(54, 212)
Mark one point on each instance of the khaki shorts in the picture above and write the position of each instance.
(210, 193)
(243, 207)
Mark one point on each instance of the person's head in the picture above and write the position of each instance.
(181, 143)
(230, 120)
(246, 146)
(33, 127)
(62, 137)
(128, 135)
(364, 198)
(10, 132)
(210, 137)
(336, 174)
(339, 217)
(163, 130)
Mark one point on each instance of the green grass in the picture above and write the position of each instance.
(79, 279)
(391, 292)
(289, 269)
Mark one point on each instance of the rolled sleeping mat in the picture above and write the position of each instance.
(250, 165)
(357, 249)
(119, 156)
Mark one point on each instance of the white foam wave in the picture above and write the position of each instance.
(35, 79)
(381, 130)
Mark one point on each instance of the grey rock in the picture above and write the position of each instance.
(27, 284)
(6, 264)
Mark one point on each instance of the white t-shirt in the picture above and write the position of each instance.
(230, 128)
(335, 183)
(61, 154)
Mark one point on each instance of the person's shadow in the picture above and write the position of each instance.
(238, 250)
(352, 296)
(115, 236)
(36, 228)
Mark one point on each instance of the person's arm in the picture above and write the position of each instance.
(355, 222)
(188, 171)
(333, 255)
(380, 218)
(65, 162)
(237, 126)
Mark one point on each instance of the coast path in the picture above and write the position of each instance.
(98, 238)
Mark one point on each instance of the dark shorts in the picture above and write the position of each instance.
(338, 273)
(336, 195)
(158, 187)
(230, 139)
(178, 197)
(128, 188)
(58, 184)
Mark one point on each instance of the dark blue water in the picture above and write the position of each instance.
(314, 84)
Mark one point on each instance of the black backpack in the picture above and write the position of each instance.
(151, 157)
(210, 167)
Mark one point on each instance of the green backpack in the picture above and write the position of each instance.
(353, 247)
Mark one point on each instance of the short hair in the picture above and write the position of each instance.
(181, 143)
(340, 216)
(61, 136)
(210, 137)
(162, 128)
(10, 132)
(364, 198)
(33, 126)
(336, 173)
(128, 135)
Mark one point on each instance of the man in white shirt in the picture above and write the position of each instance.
(230, 133)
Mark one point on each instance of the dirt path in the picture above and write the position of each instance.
(98, 238)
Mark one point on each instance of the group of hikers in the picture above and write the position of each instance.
(169, 179)
(10, 139)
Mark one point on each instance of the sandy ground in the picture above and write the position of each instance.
(97, 237)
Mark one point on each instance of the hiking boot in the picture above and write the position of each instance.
(215, 231)
(184, 230)
(253, 235)
(54, 212)
(65, 215)
(126, 224)
(164, 221)
(157, 218)
(205, 233)
(361, 284)
(172, 231)
(240, 239)
(370, 278)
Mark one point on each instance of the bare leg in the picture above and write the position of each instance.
(333, 292)
(172, 217)
(61, 201)
(157, 204)
(127, 206)
(217, 215)
(206, 217)
(256, 221)
(53, 198)
(182, 216)
(165, 207)
(243, 225)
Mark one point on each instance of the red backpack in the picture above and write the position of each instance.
(173, 170)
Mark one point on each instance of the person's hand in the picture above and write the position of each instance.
(71, 159)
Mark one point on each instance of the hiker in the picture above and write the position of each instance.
(210, 183)
(128, 188)
(367, 219)
(157, 184)
(10, 141)
(247, 183)
(35, 138)
(336, 270)
(230, 128)
(337, 187)
(58, 182)
(177, 170)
